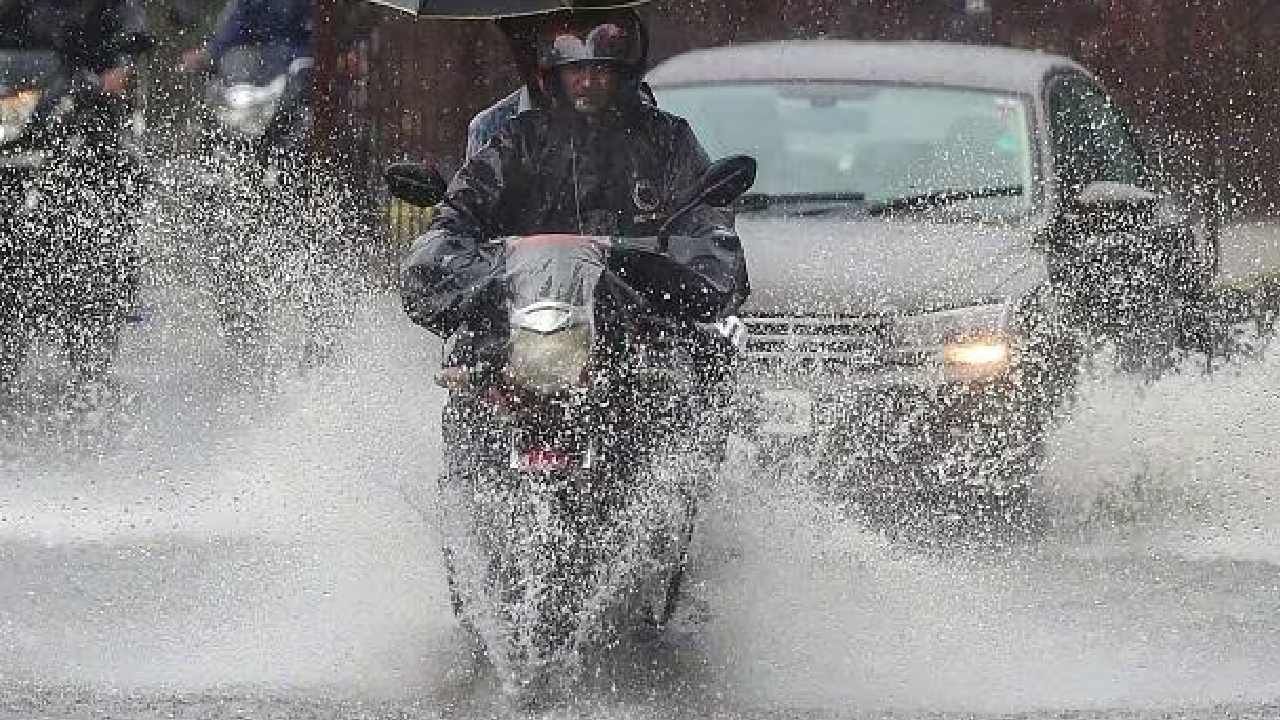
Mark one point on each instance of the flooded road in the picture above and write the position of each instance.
(211, 551)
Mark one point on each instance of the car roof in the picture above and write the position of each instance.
(913, 63)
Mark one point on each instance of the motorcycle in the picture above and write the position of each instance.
(71, 183)
(578, 449)
(258, 97)
(254, 205)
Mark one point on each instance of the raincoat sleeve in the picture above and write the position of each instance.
(705, 241)
(448, 269)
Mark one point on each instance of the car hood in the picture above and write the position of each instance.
(805, 266)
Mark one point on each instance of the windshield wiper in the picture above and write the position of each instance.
(760, 201)
(939, 198)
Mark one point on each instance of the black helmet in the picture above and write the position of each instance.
(608, 36)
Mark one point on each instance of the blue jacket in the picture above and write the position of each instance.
(284, 23)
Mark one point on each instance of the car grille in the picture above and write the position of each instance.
(857, 342)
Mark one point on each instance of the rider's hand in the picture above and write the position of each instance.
(195, 60)
(116, 80)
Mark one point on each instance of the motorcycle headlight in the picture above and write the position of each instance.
(547, 364)
(248, 109)
(15, 113)
(549, 350)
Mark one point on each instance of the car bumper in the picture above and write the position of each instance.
(808, 403)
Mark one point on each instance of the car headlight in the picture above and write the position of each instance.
(971, 343)
(976, 358)
(15, 113)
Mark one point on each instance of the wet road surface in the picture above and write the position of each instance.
(203, 550)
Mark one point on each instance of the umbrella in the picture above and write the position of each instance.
(489, 9)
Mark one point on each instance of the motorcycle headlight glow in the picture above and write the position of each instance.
(15, 113)
(545, 317)
(248, 109)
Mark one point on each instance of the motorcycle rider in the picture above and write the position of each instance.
(283, 25)
(597, 160)
(53, 275)
(276, 39)
(282, 32)
(90, 34)
(522, 38)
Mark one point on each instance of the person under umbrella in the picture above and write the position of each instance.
(522, 37)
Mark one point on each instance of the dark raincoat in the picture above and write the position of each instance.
(489, 121)
(555, 171)
(87, 33)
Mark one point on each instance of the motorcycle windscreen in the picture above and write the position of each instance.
(551, 285)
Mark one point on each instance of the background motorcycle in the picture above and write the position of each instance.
(579, 448)
(267, 228)
(71, 183)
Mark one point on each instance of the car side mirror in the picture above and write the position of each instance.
(1099, 209)
(723, 182)
(727, 179)
(415, 183)
(1107, 196)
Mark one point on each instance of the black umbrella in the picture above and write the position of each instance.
(489, 9)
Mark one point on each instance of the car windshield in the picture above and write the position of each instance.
(885, 144)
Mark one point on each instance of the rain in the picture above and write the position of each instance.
(303, 415)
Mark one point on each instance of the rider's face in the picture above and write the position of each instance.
(590, 87)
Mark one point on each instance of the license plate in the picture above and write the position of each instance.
(543, 460)
(786, 412)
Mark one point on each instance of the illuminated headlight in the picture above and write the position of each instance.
(976, 358)
(15, 113)
(973, 343)
(248, 108)
(550, 348)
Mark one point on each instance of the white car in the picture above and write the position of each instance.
(936, 233)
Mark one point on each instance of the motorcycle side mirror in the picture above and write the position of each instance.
(415, 183)
(727, 180)
(723, 182)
